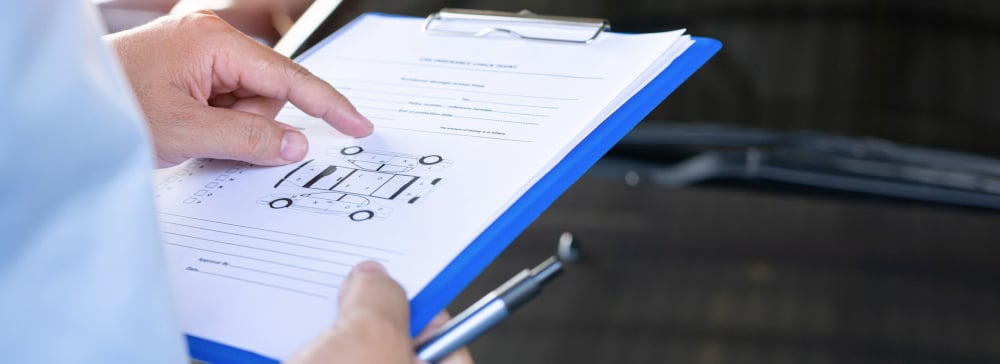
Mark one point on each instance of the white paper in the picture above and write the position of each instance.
(463, 127)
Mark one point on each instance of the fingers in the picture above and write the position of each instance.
(436, 324)
(263, 106)
(260, 70)
(461, 356)
(243, 129)
(209, 91)
(230, 134)
(369, 290)
(372, 325)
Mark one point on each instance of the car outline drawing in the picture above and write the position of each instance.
(357, 208)
(358, 184)
(384, 161)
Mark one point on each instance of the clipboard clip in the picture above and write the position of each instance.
(522, 25)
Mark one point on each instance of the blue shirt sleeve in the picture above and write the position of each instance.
(82, 275)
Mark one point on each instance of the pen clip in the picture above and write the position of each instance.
(522, 25)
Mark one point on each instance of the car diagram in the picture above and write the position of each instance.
(358, 184)
(388, 161)
(357, 208)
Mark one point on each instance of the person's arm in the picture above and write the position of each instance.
(208, 90)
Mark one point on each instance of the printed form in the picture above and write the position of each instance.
(463, 127)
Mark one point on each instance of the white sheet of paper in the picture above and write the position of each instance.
(464, 126)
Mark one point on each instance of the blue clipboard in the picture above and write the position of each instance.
(492, 241)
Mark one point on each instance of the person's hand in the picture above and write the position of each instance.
(208, 90)
(264, 20)
(372, 325)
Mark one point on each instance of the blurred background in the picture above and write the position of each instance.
(824, 190)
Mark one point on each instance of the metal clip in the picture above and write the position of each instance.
(522, 25)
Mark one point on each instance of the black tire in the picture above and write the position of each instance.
(361, 215)
(280, 203)
(352, 150)
(430, 160)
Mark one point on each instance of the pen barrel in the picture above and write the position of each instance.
(463, 332)
(528, 284)
(517, 295)
(488, 311)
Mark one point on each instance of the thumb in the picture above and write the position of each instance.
(372, 325)
(370, 295)
(232, 134)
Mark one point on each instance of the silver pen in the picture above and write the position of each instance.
(488, 311)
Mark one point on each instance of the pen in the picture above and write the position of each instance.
(488, 311)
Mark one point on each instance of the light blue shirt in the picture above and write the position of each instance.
(82, 273)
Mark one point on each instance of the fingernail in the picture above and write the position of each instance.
(367, 122)
(293, 146)
(363, 267)
(370, 267)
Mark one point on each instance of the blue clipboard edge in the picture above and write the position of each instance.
(488, 245)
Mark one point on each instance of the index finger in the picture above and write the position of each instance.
(261, 70)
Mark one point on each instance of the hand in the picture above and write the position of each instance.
(208, 90)
(373, 324)
(264, 20)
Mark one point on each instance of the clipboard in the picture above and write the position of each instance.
(494, 239)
